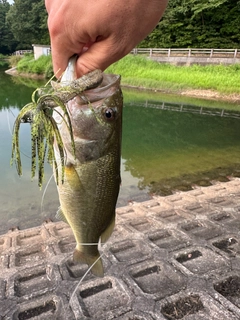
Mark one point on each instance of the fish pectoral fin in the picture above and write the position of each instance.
(60, 215)
(72, 177)
(95, 262)
(108, 231)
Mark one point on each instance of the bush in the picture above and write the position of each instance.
(49, 70)
(24, 64)
(13, 60)
(43, 65)
(39, 66)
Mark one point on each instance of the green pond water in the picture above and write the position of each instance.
(163, 150)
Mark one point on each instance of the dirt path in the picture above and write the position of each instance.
(211, 94)
(196, 93)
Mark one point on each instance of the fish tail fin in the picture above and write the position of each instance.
(108, 231)
(95, 262)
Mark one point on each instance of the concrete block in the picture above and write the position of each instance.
(191, 305)
(201, 261)
(174, 257)
(101, 299)
(154, 278)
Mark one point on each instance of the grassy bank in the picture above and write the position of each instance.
(27, 64)
(139, 71)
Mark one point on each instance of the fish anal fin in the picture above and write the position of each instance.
(94, 262)
(108, 231)
(60, 215)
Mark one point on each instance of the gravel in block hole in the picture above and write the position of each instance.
(230, 289)
(228, 245)
(182, 307)
(49, 306)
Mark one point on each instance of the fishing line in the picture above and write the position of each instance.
(88, 270)
(10, 131)
(8, 120)
(45, 190)
(42, 200)
(49, 81)
(89, 244)
(83, 277)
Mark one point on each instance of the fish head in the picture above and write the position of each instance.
(96, 119)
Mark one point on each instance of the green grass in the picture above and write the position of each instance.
(14, 60)
(3, 61)
(43, 65)
(139, 71)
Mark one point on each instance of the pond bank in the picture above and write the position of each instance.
(195, 93)
(13, 72)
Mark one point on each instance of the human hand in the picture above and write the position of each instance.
(101, 32)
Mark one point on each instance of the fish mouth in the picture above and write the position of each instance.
(108, 81)
(105, 89)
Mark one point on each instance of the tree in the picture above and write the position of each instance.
(186, 23)
(27, 21)
(7, 43)
(199, 24)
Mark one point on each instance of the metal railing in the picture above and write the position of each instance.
(187, 108)
(188, 52)
(21, 52)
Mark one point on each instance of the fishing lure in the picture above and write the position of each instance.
(44, 130)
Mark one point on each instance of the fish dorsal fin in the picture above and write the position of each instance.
(108, 231)
(60, 215)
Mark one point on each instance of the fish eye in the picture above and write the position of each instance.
(109, 114)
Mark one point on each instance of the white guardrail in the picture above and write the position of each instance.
(187, 108)
(189, 52)
(173, 52)
(21, 52)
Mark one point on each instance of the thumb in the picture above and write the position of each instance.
(99, 55)
(60, 58)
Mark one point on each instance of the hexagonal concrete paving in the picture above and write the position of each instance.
(174, 257)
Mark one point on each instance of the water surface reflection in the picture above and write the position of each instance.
(169, 150)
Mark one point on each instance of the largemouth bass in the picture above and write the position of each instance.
(90, 186)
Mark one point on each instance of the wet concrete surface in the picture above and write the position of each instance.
(174, 257)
